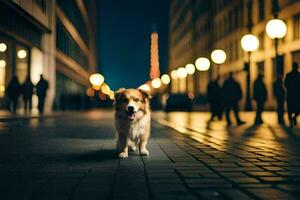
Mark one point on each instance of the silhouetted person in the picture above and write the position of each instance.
(13, 92)
(232, 94)
(260, 97)
(41, 91)
(27, 91)
(292, 83)
(214, 97)
(279, 94)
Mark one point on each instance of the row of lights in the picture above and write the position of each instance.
(218, 56)
(275, 28)
(98, 84)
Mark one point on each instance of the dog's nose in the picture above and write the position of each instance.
(130, 108)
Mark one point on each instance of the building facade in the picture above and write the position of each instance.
(199, 26)
(53, 38)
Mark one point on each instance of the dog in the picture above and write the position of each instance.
(132, 120)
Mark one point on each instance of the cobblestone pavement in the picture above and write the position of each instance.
(72, 157)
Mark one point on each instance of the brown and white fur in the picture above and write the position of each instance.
(132, 120)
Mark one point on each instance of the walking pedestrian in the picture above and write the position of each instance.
(27, 91)
(279, 94)
(214, 97)
(41, 90)
(13, 93)
(292, 83)
(260, 97)
(232, 94)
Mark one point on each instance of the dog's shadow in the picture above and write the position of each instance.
(95, 156)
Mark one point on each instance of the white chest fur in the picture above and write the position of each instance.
(138, 128)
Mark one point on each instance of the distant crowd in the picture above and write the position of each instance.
(26, 90)
(227, 97)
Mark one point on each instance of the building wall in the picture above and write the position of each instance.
(59, 39)
(75, 47)
(221, 24)
(29, 26)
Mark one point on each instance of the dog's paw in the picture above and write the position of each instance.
(144, 152)
(132, 148)
(123, 155)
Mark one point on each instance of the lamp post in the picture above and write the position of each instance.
(218, 56)
(175, 81)
(249, 44)
(276, 29)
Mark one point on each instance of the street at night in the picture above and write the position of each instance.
(149, 99)
(72, 156)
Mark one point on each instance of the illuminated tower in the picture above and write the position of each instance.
(154, 62)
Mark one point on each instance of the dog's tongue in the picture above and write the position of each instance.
(131, 116)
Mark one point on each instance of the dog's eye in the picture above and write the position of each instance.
(136, 100)
(125, 100)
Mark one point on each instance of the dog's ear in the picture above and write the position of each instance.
(145, 94)
(119, 93)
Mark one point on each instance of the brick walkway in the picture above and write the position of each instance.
(72, 157)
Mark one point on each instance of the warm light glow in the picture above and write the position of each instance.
(249, 42)
(22, 54)
(105, 89)
(218, 56)
(2, 63)
(96, 79)
(111, 95)
(165, 79)
(174, 74)
(202, 64)
(90, 92)
(3, 47)
(181, 72)
(276, 28)
(156, 83)
(96, 87)
(145, 87)
(190, 68)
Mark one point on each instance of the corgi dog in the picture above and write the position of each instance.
(132, 120)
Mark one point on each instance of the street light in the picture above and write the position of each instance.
(145, 87)
(156, 83)
(276, 29)
(174, 74)
(202, 64)
(249, 43)
(181, 72)
(165, 79)
(190, 69)
(218, 56)
(96, 79)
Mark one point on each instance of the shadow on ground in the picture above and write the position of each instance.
(94, 156)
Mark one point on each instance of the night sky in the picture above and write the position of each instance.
(123, 39)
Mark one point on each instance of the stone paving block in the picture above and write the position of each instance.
(274, 168)
(50, 196)
(271, 194)
(90, 195)
(242, 180)
(272, 179)
(261, 173)
(257, 185)
(233, 174)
